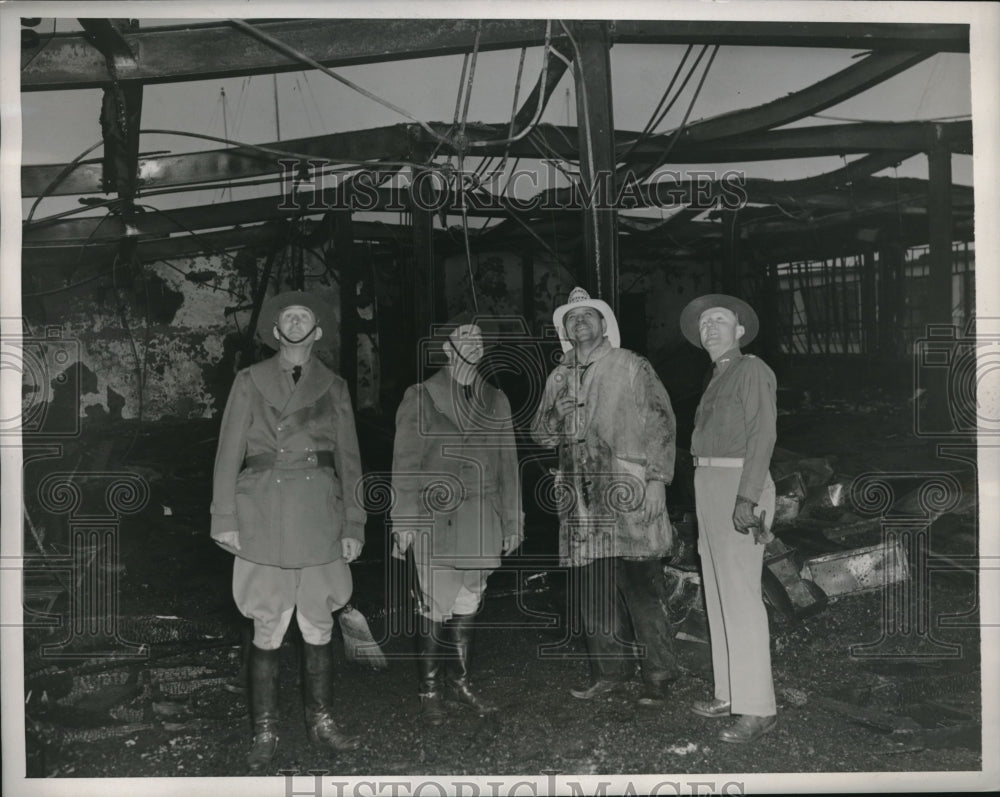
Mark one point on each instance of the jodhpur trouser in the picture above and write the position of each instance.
(611, 591)
(268, 595)
(731, 573)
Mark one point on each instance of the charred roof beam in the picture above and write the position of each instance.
(212, 51)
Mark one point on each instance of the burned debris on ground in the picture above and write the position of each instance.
(876, 666)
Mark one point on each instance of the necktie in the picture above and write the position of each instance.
(296, 373)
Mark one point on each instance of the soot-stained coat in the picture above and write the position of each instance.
(621, 435)
(293, 510)
(455, 471)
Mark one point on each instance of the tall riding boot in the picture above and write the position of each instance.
(429, 666)
(317, 695)
(462, 627)
(263, 667)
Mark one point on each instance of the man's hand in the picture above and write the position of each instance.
(655, 501)
(510, 543)
(402, 539)
(564, 405)
(744, 518)
(230, 540)
(351, 548)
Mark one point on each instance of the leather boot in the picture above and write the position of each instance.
(317, 698)
(429, 666)
(263, 667)
(461, 627)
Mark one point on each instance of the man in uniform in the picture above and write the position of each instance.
(732, 442)
(611, 418)
(284, 502)
(455, 472)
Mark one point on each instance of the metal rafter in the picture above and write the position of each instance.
(216, 50)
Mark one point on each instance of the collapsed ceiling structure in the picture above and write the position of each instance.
(778, 220)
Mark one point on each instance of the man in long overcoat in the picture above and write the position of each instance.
(611, 418)
(457, 503)
(285, 503)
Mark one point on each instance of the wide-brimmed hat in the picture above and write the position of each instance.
(578, 297)
(745, 315)
(489, 326)
(273, 306)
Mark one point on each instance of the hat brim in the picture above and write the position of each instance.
(745, 314)
(602, 307)
(273, 305)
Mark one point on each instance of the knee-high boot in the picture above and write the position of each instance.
(317, 699)
(429, 667)
(461, 627)
(263, 667)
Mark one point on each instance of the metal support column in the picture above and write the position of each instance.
(343, 249)
(869, 314)
(419, 280)
(592, 73)
(939, 298)
(730, 253)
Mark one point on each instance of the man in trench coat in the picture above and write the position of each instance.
(284, 502)
(611, 418)
(457, 503)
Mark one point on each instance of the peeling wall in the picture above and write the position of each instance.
(177, 327)
(185, 322)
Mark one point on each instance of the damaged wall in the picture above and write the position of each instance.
(177, 328)
(180, 327)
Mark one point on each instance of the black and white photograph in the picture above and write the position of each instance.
(479, 399)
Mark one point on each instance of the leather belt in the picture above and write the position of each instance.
(718, 462)
(292, 460)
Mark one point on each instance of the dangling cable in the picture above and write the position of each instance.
(291, 52)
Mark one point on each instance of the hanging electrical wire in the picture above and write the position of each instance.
(63, 174)
(540, 106)
(291, 52)
(463, 204)
(660, 111)
(680, 129)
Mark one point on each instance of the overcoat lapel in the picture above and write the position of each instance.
(314, 383)
(441, 389)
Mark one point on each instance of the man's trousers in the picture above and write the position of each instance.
(609, 592)
(731, 573)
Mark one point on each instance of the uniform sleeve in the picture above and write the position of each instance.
(658, 422)
(348, 459)
(407, 456)
(229, 456)
(510, 481)
(757, 392)
(546, 426)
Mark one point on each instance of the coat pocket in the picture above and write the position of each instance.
(250, 515)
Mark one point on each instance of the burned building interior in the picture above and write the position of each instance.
(146, 258)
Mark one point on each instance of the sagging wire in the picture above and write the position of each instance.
(291, 52)
(205, 245)
(461, 168)
(511, 139)
(680, 129)
(63, 174)
(89, 240)
(657, 116)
